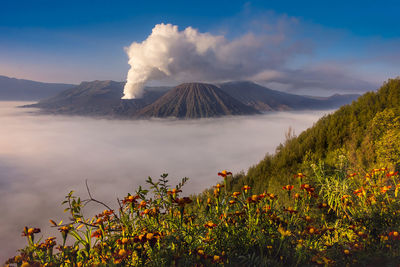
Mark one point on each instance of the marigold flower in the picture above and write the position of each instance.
(142, 204)
(235, 194)
(351, 175)
(224, 173)
(173, 191)
(97, 234)
(122, 252)
(385, 188)
(129, 199)
(217, 259)
(394, 235)
(305, 186)
(390, 174)
(30, 231)
(246, 188)
(272, 196)
(359, 191)
(299, 175)
(218, 186)
(284, 232)
(210, 225)
(183, 201)
(288, 187)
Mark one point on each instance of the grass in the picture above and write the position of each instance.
(323, 217)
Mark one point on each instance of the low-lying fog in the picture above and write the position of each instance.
(43, 157)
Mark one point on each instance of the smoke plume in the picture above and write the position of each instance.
(189, 55)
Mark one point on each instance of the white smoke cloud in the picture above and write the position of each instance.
(189, 55)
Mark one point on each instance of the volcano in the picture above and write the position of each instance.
(196, 100)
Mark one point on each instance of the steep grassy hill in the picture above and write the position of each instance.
(361, 131)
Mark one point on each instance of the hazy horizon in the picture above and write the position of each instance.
(43, 157)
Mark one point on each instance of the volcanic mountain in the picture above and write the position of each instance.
(196, 100)
(189, 100)
(265, 99)
(98, 98)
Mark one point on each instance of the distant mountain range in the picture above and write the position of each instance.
(188, 100)
(12, 89)
(265, 99)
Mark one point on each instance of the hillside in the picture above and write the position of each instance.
(360, 132)
(26, 90)
(196, 100)
(98, 98)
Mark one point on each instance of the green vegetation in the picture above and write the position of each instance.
(329, 218)
(366, 132)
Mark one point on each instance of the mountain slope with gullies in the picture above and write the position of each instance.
(98, 98)
(189, 100)
(196, 100)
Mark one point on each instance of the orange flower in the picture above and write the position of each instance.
(272, 196)
(224, 173)
(288, 187)
(351, 175)
(246, 188)
(305, 186)
(359, 191)
(97, 234)
(252, 199)
(210, 225)
(394, 235)
(142, 204)
(173, 191)
(299, 175)
(235, 194)
(390, 174)
(385, 188)
(219, 186)
(183, 201)
(129, 199)
(30, 231)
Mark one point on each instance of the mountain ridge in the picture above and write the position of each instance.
(13, 89)
(103, 98)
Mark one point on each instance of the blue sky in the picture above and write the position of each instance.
(355, 43)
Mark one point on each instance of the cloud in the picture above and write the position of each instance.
(190, 55)
(43, 157)
(267, 54)
(318, 80)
